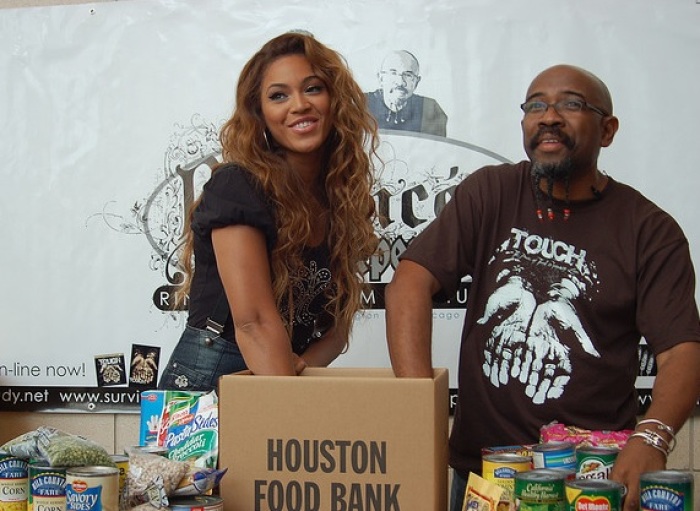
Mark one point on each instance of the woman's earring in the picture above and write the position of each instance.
(267, 142)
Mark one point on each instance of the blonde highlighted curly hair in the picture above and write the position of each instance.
(346, 179)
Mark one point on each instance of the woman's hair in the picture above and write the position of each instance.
(346, 178)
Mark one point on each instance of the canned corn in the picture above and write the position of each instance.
(47, 487)
(14, 488)
(501, 468)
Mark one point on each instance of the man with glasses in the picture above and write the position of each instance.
(396, 106)
(569, 268)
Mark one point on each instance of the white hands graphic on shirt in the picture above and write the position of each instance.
(525, 344)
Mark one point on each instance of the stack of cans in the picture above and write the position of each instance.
(559, 476)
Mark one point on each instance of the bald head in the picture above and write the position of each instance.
(398, 78)
(591, 87)
(401, 59)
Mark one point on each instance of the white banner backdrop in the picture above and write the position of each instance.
(109, 114)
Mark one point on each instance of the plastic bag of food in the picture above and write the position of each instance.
(75, 451)
(483, 495)
(557, 432)
(58, 448)
(199, 481)
(151, 479)
(24, 446)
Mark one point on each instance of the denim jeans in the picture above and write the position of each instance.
(199, 359)
(457, 491)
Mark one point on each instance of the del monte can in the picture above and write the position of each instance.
(594, 495)
(92, 489)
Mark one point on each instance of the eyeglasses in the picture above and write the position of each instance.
(408, 76)
(563, 107)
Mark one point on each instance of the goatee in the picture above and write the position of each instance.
(559, 171)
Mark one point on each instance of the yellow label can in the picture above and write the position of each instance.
(501, 468)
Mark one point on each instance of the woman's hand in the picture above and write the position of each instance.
(325, 350)
(299, 364)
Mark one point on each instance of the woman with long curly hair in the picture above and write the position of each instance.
(279, 235)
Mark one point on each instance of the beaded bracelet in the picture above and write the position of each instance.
(662, 427)
(652, 439)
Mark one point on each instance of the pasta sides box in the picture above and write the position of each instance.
(185, 423)
(334, 439)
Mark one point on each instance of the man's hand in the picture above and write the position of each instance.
(635, 459)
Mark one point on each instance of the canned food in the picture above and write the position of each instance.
(666, 490)
(92, 489)
(147, 449)
(47, 487)
(595, 462)
(568, 473)
(554, 455)
(197, 503)
(13, 483)
(594, 494)
(540, 489)
(122, 463)
(501, 468)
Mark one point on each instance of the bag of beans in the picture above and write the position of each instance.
(150, 480)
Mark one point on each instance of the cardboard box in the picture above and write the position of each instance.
(334, 439)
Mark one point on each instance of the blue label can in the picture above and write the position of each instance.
(554, 455)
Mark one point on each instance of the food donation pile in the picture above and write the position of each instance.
(568, 470)
(173, 467)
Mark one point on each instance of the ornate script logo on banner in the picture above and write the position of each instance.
(416, 178)
(163, 217)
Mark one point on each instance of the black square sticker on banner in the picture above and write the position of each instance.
(110, 369)
(144, 366)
